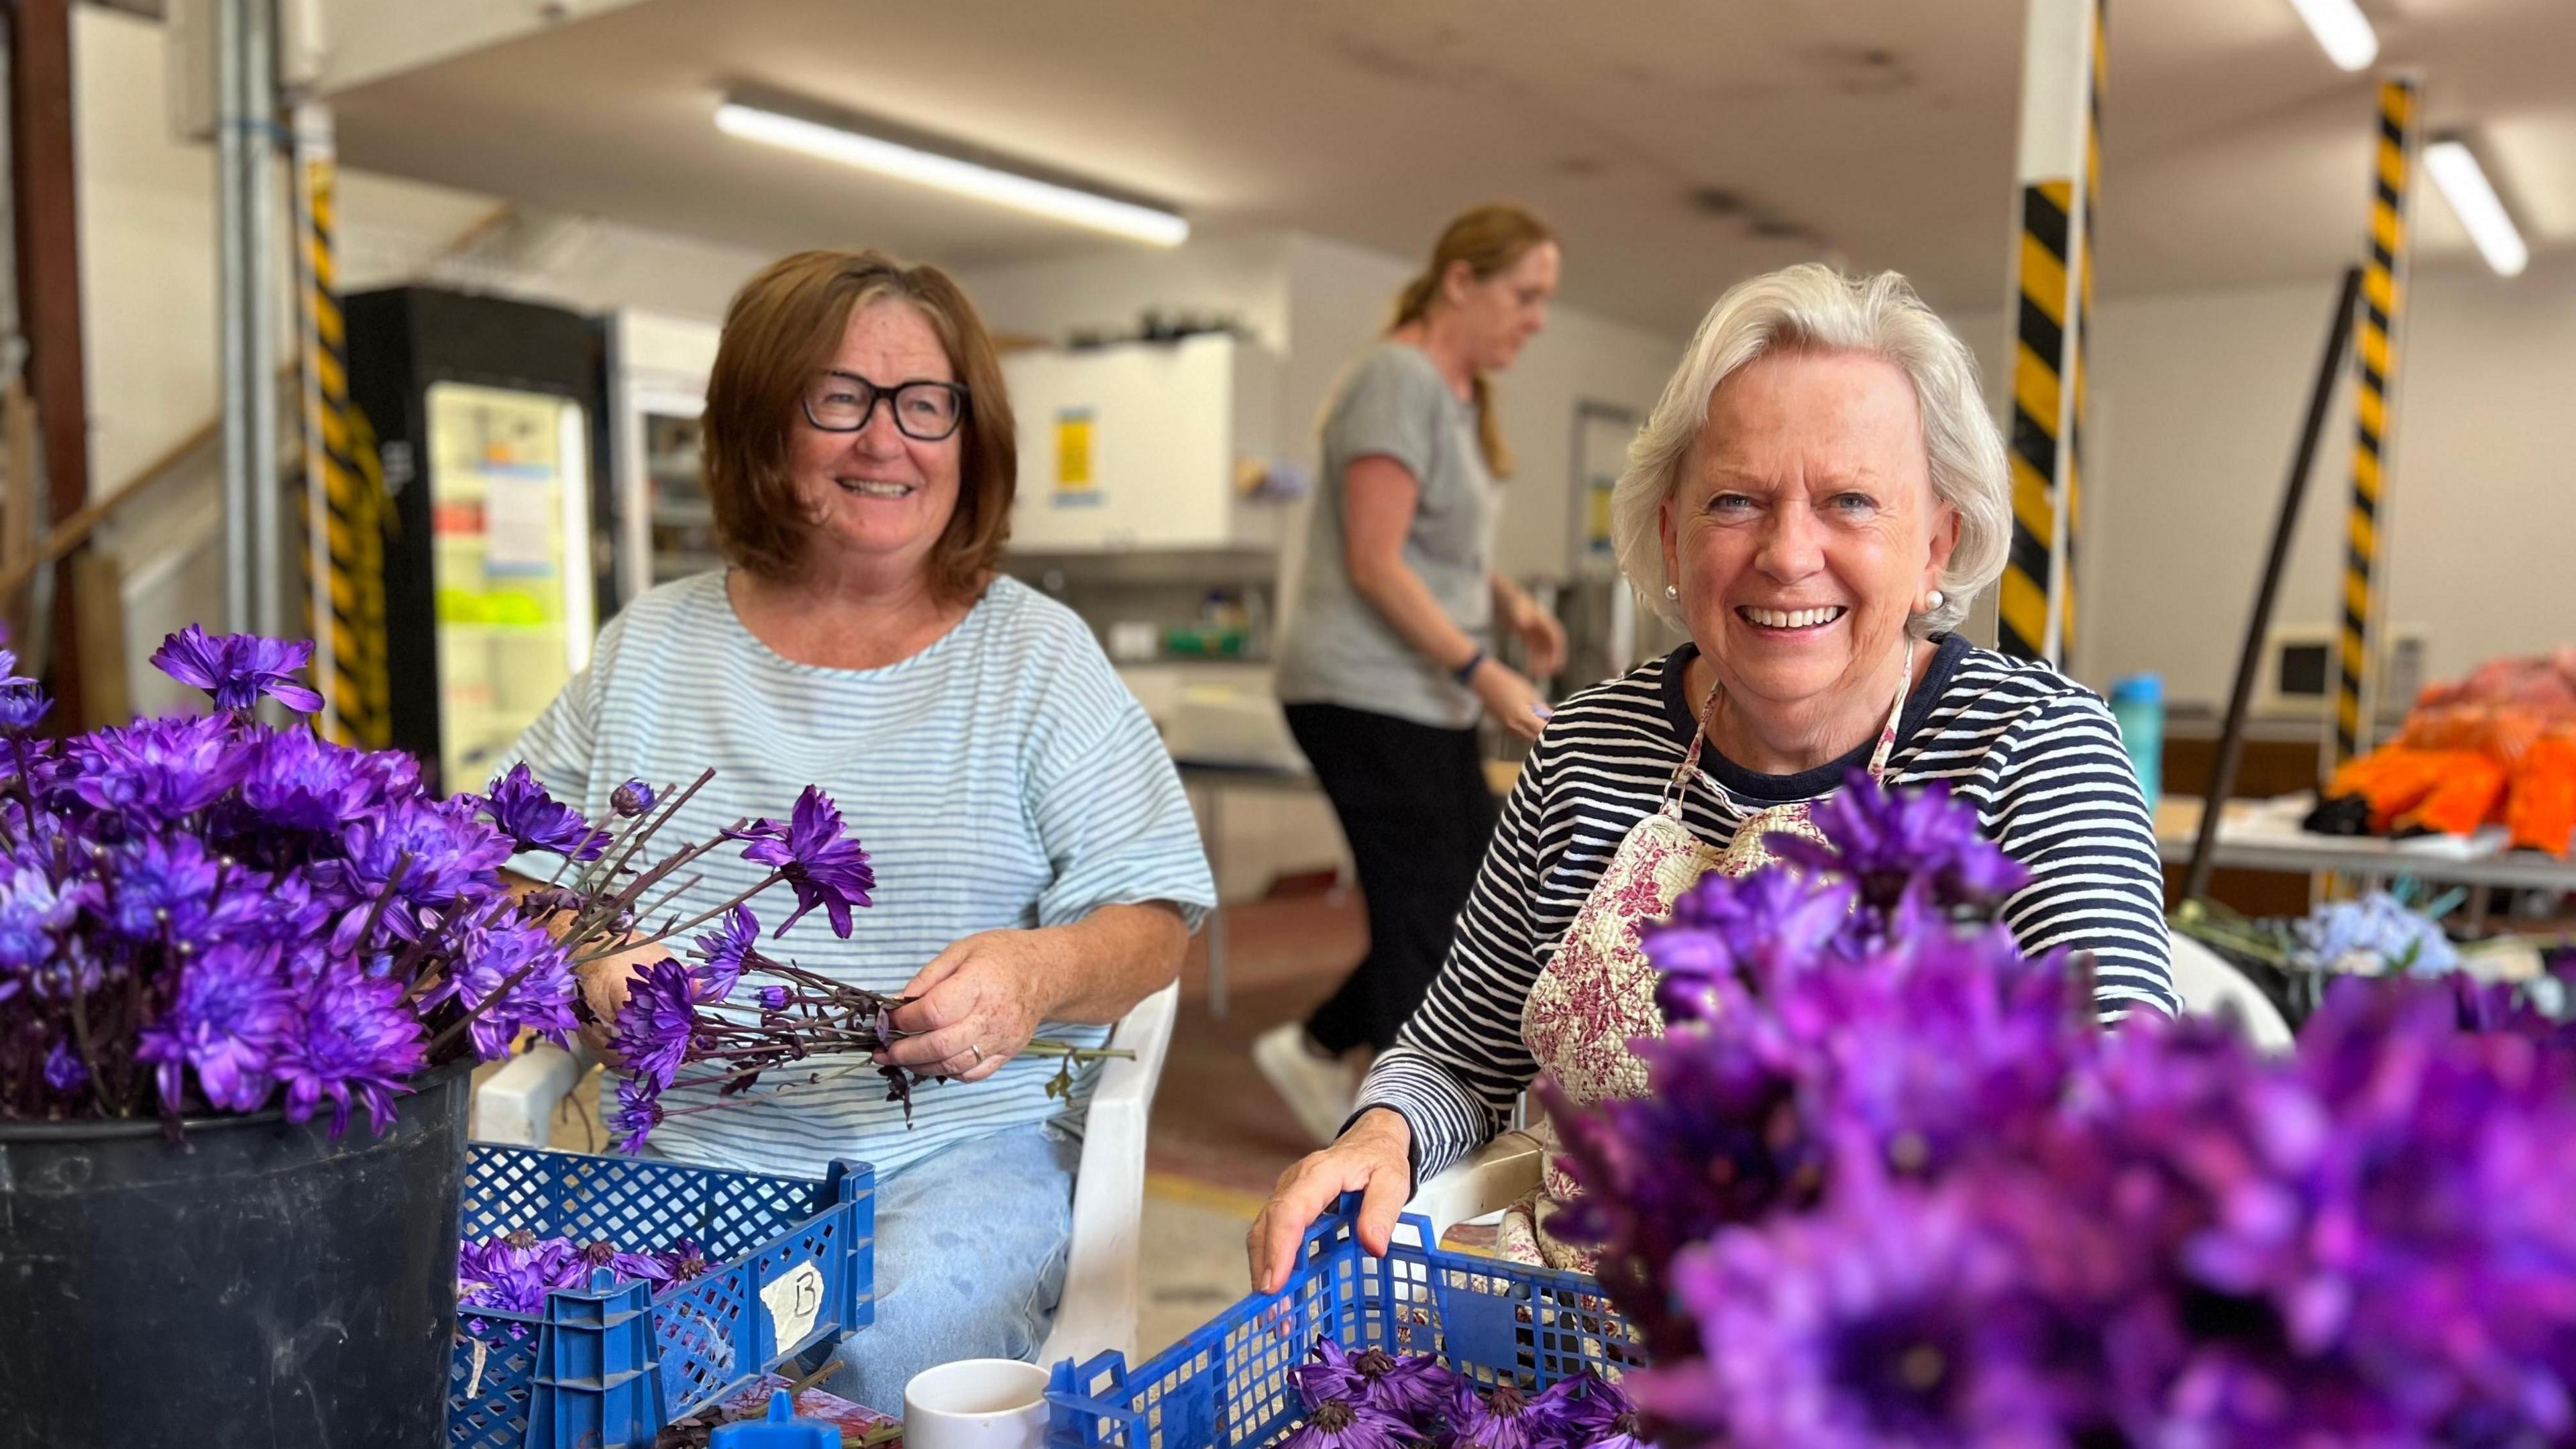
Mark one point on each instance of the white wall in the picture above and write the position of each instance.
(2203, 394)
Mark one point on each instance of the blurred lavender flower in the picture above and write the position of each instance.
(535, 820)
(2372, 935)
(683, 1261)
(1772, 924)
(353, 1041)
(164, 889)
(226, 1022)
(723, 955)
(33, 910)
(1888, 840)
(1887, 1318)
(810, 853)
(238, 668)
(22, 700)
(631, 799)
(63, 1069)
(773, 998)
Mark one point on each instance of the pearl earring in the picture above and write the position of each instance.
(1932, 601)
(1671, 592)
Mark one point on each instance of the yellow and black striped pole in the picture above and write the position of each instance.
(344, 562)
(2060, 169)
(2394, 147)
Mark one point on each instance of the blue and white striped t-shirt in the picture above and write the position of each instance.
(1002, 777)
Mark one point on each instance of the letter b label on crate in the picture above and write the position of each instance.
(794, 1300)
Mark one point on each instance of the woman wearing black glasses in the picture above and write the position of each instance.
(1037, 869)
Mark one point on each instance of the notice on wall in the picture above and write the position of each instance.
(794, 1300)
(1075, 484)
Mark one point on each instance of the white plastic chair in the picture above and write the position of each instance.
(517, 1104)
(1506, 1170)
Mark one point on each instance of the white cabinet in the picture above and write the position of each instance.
(1148, 445)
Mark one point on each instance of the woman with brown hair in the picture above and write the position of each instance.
(1037, 870)
(1384, 669)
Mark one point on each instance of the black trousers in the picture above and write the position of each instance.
(1415, 807)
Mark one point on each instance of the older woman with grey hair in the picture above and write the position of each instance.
(1816, 500)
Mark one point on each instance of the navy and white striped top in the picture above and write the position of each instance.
(1002, 777)
(2037, 754)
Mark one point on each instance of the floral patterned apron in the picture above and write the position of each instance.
(1598, 992)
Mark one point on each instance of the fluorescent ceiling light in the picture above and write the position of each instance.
(2464, 184)
(834, 139)
(2342, 29)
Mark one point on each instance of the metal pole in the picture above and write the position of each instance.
(261, 303)
(2231, 738)
(232, 271)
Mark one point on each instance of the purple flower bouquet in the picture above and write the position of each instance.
(1891, 1186)
(214, 914)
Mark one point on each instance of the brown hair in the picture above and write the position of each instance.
(1488, 239)
(784, 326)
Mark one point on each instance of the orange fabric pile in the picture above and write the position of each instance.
(2498, 747)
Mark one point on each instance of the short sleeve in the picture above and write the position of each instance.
(1391, 407)
(1108, 805)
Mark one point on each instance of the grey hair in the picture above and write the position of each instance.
(1811, 307)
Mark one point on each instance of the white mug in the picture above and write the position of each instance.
(976, 1403)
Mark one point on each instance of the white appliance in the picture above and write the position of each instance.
(1150, 445)
(658, 369)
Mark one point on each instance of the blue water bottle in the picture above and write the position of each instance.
(2138, 703)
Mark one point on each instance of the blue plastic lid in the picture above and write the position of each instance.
(2139, 689)
(781, 1430)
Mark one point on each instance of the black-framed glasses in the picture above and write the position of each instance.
(924, 411)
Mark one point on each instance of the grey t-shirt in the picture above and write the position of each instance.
(1338, 649)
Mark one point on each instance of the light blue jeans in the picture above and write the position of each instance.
(971, 1251)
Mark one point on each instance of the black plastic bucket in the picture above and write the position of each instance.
(262, 1286)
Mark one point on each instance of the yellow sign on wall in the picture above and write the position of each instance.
(1074, 483)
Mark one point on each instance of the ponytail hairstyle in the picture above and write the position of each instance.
(1488, 239)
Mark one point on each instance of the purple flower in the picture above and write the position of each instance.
(512, 1273)
(353, 1036)
(64, 1070)
(33, 911)
(1772, 923)
(1887, 1319)
(163, 886)
(602, 1253)
(1887, 840)
(809, 852)
(656, 1024)
(445, 856)
(1414, 1390)
(22, 700)
(238, 668)
(158, 770)
(1597, 1414)
(724, 954)
(1503, 1418)
(1337, 1424)
(639, 1111)
(296, 781)
(631, 799)
(773, 998)
(227, 1021)
(535, 820)
(521, 970)
(683, 1261)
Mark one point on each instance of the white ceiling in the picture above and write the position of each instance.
(1876, 132)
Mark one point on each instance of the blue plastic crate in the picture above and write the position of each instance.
(608, 1367)
(1226, 1385)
